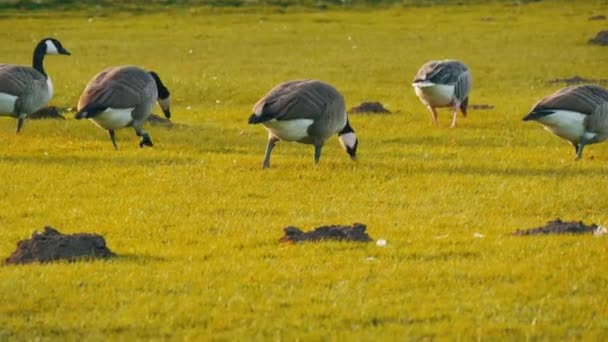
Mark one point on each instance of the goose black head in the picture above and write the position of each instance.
(164, 98)
(51, 46)
(349, 140)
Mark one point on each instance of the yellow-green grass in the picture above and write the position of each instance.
(195, 220)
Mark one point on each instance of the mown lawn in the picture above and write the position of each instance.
(195, 220)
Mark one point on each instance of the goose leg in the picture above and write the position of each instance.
(113, 138)
(318, 153)
(455, 115)
(579, 150)
(434, 115)
(20, 121)
(272, 140)
(145, 137)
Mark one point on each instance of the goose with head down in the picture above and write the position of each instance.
(123, 96)
(578, 114)
(306, 111)
(445, 83)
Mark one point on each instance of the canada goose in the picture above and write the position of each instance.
(306, 111)
(445, 83)
(24, 90)
(578, 114)
(123, 96)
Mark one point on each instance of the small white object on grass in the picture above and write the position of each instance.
(600, 231)
(478, 235)
(381, 243)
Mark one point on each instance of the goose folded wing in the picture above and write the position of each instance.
(440, 72)
(293, 103)
(17, 80)
(113, 96)
(581, 99)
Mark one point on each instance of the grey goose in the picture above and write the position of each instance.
(578, 114)
(444, 83)
(306, 111)
(123, 96)
(23, 89)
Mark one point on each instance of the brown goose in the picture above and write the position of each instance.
(306, 111)
(578, 114)
(24, 90)
(123, 96)
(445, 83)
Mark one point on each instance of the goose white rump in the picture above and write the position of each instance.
(7, 103)
(566, 124)
(289, 130)
(435, 95)
(114, 118)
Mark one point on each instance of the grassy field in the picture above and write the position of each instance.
(195, 220)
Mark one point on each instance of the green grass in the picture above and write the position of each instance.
(195, 220)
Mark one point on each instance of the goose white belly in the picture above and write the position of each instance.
(435, 95)
(114, 118)
(7, 104)
(289, 130)
(566, 124)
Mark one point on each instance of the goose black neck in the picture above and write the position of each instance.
(347, 129)
(38, 59)
(163, 92)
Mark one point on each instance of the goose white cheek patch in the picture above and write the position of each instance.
(51, 48)
(348, 140)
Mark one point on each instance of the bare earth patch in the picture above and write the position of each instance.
(356, 233)
(601, 38)
(373, 107)
(560, 227)
(480, 106)
(574, 80)
(597, 17)
(50, 112)
(51, 245)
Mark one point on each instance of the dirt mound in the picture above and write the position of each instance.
(574, 80)
(560, 227)
(597, 17)
(480, 106)
(51, 112)
(159, 120)
(370, 107)
(52, 245)
(601, 38)
(356, 232)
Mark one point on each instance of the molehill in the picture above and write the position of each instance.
(560, 227)
(51, 245)
(355, 233)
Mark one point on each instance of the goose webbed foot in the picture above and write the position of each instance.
(145, 140)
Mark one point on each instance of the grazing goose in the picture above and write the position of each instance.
(445, 83)
(123, 96)
(578, 114)
(306, 111)
(24, 90)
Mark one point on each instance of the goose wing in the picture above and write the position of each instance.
(122, 87)
(300, 99)
(441, 72)
(583, 99)
(17, 80)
